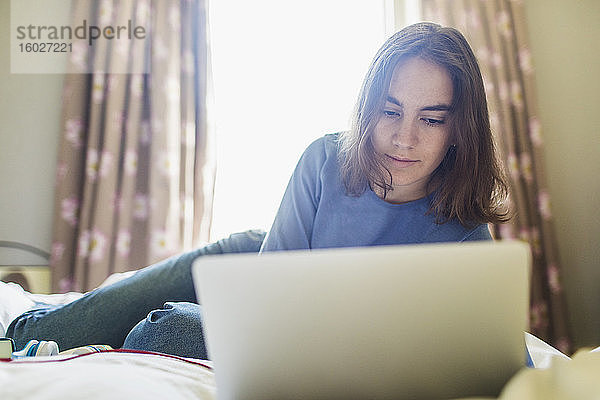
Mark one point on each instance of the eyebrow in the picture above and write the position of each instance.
(436, 107)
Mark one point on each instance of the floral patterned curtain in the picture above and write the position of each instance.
(135, 170)
(496, 30)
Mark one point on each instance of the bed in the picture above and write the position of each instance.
(125, 374)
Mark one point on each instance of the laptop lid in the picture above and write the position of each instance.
(419, 321)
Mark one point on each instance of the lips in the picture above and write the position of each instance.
(401, 161)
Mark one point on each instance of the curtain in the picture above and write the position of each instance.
(135, 169)
(496, 30)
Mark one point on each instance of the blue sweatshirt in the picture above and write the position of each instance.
(315, 212)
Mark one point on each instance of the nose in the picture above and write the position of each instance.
(405, 135)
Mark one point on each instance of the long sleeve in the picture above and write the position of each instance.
(293, 225)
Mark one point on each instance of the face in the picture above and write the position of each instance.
(412, 135)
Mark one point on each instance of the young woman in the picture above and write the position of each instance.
(418, 165)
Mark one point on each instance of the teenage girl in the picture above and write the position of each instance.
(418, 165)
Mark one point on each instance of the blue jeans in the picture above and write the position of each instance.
(176, 328)
(121, 315)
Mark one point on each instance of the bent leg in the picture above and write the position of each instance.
(106, 315)
(175, 329)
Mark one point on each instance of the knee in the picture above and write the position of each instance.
(176, 329)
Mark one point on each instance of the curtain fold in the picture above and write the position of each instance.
(135, 166)
(496, 30)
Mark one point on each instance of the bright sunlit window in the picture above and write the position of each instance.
(285, 73)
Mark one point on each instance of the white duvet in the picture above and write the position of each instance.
(107, 375)
(133, 376)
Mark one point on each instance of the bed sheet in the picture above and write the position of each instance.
(125, 374)
(130, 375)
(113, 374)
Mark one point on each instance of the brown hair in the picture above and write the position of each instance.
(469, 182)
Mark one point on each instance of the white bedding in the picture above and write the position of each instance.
(105, 375)
(132, 375)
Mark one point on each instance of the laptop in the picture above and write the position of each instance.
(428, 321)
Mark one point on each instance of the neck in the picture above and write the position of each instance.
(397, 195)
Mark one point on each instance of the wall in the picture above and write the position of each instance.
(564, 43)
(29, 132)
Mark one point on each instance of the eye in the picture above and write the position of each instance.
(391, 114)
(433, 121)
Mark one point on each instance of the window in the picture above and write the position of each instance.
(285, 73)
